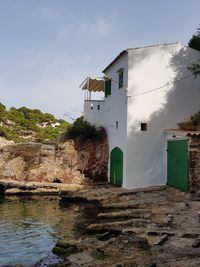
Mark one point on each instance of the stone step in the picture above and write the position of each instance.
(103, 227)
(121, 205)
(137, 213)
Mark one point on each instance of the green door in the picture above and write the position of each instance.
(177, 164)
(116, 166)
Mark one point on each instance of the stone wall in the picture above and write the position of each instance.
(194, 163)
(64, 162)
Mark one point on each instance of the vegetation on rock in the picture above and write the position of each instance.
(84, 131)
(193, 124)
(196, 119)
(24, 124)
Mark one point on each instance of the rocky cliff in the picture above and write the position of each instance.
(68, 162)
(5, 142)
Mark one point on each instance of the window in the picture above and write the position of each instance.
(98, 107)
(143, 126)
(92, 106)
(117, 125)
(107, 87)
(121, 77)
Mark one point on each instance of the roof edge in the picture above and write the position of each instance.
(148, 46)
(123, 52)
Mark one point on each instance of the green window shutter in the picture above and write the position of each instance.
(107, 88)
(121, 78)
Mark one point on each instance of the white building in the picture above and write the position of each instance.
(147, 90)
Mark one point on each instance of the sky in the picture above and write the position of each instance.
(48, 47)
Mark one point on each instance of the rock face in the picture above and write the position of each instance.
(65, 162)
(194, 165)
(4, 142)
(92, 159)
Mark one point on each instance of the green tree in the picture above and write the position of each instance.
(2, 112)
(25, 124)
(194, 43)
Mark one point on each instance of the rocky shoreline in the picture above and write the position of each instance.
(150, 227)
(37, 188)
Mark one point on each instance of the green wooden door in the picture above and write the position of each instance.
(177, 164)
(116, 166)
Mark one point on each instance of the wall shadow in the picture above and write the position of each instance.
(182, 99)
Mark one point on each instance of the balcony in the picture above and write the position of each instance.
(93, 88)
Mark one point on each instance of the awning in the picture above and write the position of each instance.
(95, 85)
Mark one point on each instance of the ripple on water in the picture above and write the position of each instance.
(30, 227)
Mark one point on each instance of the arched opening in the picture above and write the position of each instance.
(116, 166)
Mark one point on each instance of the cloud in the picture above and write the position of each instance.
(99, 26)
(48, 13)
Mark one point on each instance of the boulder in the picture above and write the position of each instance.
(108, 235)
(66, 248)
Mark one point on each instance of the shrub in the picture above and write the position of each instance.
(11, 135)
(187, 126)
(196, 119)
(84, 131)
(193, 124)
(47, 133)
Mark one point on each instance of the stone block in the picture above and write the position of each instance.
(196, 243)
(161, 240)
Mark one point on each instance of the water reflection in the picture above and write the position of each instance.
(2, 199)
(30, 226)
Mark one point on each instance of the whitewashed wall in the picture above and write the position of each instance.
(150, 68)
(94, 115)
(116, 109)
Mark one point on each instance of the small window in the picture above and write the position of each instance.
(92, 106)
(121, 78)
(143, 126)
(107, 87)
(117, 125)
(98, 107)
